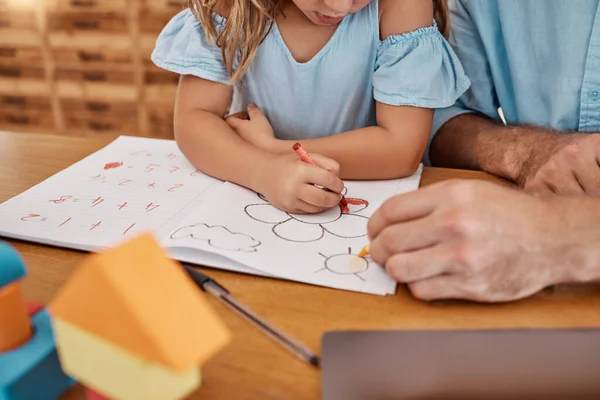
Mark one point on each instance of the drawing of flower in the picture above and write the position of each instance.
(343, 222)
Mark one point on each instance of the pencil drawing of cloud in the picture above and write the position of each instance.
(218, 237)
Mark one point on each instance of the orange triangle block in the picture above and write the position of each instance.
(135, 297)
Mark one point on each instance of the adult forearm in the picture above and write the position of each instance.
(474, 142)
(215, 149)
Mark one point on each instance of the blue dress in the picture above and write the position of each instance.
(335, 91)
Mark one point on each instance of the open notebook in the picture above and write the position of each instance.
(139, 184)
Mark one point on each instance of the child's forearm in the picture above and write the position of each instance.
(367, 153)
(216, 150)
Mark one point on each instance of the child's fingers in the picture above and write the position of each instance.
(320, 176)
(327, 163)
(236, 120)
(318, 197)
(240, 115)
(254, 112)
(307, 208)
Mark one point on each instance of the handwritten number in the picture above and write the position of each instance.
(175, 187)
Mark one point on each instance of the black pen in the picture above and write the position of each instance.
(210, 286)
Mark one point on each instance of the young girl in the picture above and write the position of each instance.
(353, 80)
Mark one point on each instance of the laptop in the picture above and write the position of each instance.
(495, 364)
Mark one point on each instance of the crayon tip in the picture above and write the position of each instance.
(297, 147)
(365, 251)
(343, 202)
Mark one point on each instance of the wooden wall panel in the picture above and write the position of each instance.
(82, 67)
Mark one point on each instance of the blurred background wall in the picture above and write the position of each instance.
(82, 67)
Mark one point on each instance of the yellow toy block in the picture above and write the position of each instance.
(117, 373)
(135, 298)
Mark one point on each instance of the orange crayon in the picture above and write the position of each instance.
(305, 157)
(365, 251)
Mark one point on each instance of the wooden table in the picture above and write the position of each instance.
(253, 367)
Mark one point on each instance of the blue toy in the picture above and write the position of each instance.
(31, 371)
(12, 268)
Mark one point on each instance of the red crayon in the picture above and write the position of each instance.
(305, 157)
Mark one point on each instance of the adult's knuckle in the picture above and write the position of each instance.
(388, 241)
(480, 288)
(465, 257)
(549, 169)
(421, 291)
(377, 256)
(372, 226)
(572, 151)
(460, 191)
(387, 211)
(533, 184)
(460, 223)
(397, 270)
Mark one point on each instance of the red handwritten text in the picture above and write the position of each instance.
(113, 165)
(96, 178)
(128, 229)
(61, 200)
(141, 153)
(151, 167)
(97, 201)
(151, 207)
(30, 217)
(65, 222)
(175, 187)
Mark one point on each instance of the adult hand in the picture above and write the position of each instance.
(478, 241)
(563, 164)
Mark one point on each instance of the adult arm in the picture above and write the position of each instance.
(470, 134)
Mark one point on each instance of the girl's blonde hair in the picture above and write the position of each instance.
(442, 16)
(250, 21)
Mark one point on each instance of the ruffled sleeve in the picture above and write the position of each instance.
(418, 69)
(183, 48)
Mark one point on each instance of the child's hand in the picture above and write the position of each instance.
(254, 128)
(288, 184)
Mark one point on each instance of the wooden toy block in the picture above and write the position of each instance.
(134, 297)
(119, 374)
(91, 394)
(12, 268)
(15, 326)
(32, 371)
(33, 308)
